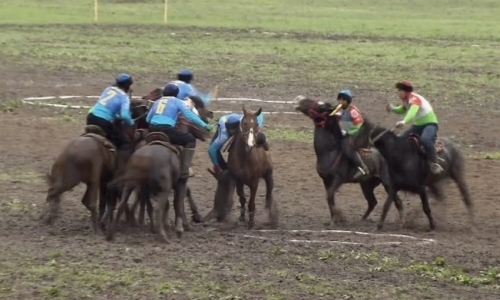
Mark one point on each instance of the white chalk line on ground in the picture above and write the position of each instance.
(39, 101)
(421, 241)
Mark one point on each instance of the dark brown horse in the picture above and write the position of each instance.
(410, 172)
(91, 159)
(248, 162)
(334, 168)
(156, 168)
(185, 126)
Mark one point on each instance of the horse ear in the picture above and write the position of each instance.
(258, 112)
(244, 109)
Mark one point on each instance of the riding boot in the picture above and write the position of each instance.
(362, 168)
(432, 160)
(186, 159)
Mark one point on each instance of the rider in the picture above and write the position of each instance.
(162, 117)
(114, 101)
(425, 122)
(186, 89)
(227, 127)
(351, 122)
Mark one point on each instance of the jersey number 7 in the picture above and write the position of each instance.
(161, 106)
(109, 95)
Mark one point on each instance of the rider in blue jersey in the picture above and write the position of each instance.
(114, 103)
(186, 89)
(162, 117)
(227, 127)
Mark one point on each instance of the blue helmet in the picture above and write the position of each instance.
(346, 95)
(124, 80)
(260, 119)
(171, 90)
(185, 75)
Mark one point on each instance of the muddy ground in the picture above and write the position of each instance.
(67, 260)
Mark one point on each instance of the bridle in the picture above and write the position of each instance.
(316, 115)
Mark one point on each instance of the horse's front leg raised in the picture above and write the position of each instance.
(251, 204)
(243, 200)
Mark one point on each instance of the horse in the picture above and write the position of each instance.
(409, 170)
(334, 168)
(247, 163)
(91, 159)
(184, 126)
(155, 167)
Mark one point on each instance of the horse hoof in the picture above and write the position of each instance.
(367, 220)
(380, 226)
(197, 218)
(250, 224)
(242, 219)
(109, 237)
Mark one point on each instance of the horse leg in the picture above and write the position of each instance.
(399, 206)
(457, 175)
(392, 194)
(165, 220)
(241, 194)
(143, 196)
(127, 190)
(426, 207)
(331, 185)
(149, 207)
(160, 212)
(368, 188)
(270, 204)
(195, 215)
(179, 196)
(90, 201)
(251, 204)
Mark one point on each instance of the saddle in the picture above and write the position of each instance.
(159, 138)
(439, 145)
(97, 133)
(365, 153)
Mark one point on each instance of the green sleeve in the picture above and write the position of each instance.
(355, 130)
(412, 112)
(399, 110)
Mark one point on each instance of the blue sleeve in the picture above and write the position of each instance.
(191, 116)
(151, 111)
(194, 92)
(125, 111)
(213, 150)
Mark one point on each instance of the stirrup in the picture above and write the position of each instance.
(191, 172)
(436, 168)
(359, 173)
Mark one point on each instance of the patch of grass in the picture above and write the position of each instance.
(439, 269)
(289, 135)
(24, 177)
(491, 155)
(352, 43)
(10, 106)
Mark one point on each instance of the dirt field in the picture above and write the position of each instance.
(68, 261)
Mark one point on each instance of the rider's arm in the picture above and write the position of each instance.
(412, 112)
(194, 92)
(192, 117)
(400, 109)
(151, 111)
(357, 121)
(125, 111)
(213, 150)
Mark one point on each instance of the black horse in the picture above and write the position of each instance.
(409, 171)
(335, 168)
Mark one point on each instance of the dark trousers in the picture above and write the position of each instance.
(184, 139)
(428, 136)
(350, 148)
(113, 133)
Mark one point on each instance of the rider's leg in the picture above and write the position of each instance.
(188, 141)
(351, 152)
(105, 125)
(428, 139)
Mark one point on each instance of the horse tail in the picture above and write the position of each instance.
(49, 179)
(155, 178)
(457, 171)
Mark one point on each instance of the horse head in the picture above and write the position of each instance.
(248, 127)
(153, 95)
(321, 114)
